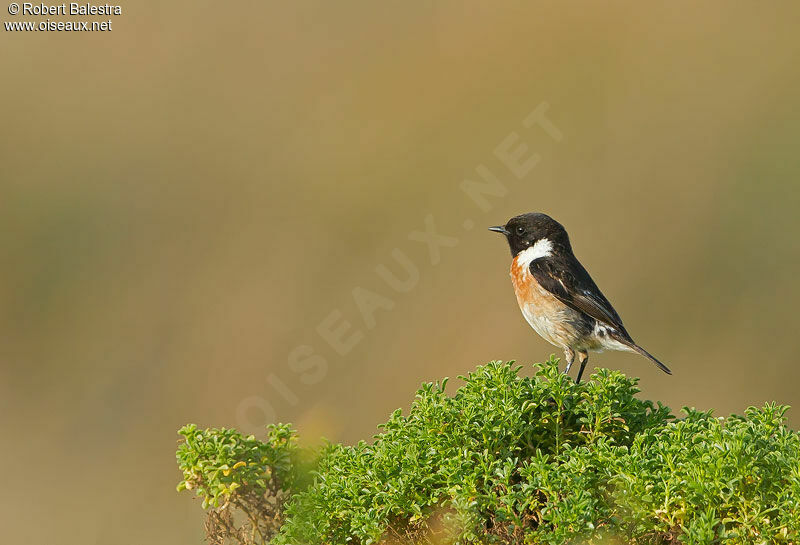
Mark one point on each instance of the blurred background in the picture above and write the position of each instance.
(189, 201)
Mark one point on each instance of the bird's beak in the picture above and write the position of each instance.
(500, 229)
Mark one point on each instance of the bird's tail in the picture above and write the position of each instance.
(650, 357)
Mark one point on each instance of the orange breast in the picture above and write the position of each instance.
(528, 290)
(548, 316)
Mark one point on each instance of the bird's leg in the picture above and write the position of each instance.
(569, 355)
(583, 357)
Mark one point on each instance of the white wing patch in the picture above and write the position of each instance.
(601, 330)
(542, 248)
(603, 341)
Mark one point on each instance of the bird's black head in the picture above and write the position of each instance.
(525, 230)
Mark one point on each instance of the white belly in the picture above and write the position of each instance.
(549, 323)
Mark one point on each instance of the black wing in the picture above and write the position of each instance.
(566, 278)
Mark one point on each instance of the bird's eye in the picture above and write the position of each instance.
(520, 230)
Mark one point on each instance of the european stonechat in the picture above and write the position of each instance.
(557, 296)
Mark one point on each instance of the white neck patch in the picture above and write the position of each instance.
(542, 248)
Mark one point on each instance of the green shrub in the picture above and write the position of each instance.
(510, 459)
(243, 482)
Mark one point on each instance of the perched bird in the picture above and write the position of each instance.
(557, 296)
